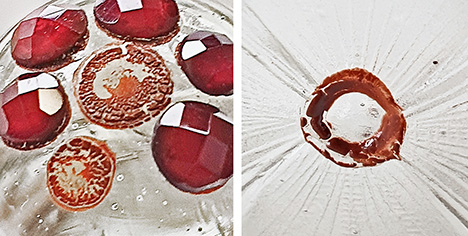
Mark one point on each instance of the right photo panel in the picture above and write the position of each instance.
(354, 117)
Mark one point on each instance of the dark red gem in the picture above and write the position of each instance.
(33, 111)
(47, 37)
(145, 20)
(207, 60)
(192, 146)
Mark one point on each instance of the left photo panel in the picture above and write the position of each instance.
(116, 117)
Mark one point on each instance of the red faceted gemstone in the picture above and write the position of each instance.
(34, 110)
(143, 20)
(207, 60)
(192, 146)
(46, 39)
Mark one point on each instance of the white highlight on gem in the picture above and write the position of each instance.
(99, 2)
(173, 116)
(42, 81)
(198, 131)
(4, 122)
(223, 117)
(129, 5)
(223, 39)
(50, 101)
(27, 30)
(191, 49)
(52, 12)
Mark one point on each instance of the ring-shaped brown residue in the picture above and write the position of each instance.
(383, 145)
(132, 100)
(80, 173)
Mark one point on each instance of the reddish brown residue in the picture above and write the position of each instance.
(131, 100)
(80, 174)
(127, 87)
(383, 145)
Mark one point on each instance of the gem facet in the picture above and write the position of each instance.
(143, 20)
(80, 174)
(34, 110)
(46, 39)
(192, 146)
(207, 60)
(122, 86)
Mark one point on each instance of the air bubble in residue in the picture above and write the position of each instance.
(143, 191)
(75, 126)
(114, 206)
(60, 75)
(157, 191)
(120, 177)
(40, 221)
(2, 68)
(164, 203)
(139, 198)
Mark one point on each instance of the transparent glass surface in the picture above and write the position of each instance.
(141, 201)
(419, 49)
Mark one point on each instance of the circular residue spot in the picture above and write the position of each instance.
(46, 39)
(207, 60)
(80, 173)
(142, 20)
(383, 145)
(122, 86)
(34, 109)
(192, 146)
